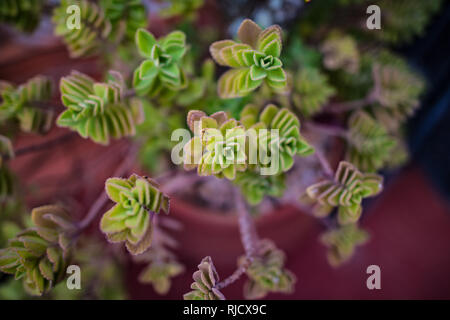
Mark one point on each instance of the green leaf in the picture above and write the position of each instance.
(311, 91)
(145, 42)
(46, 269)
(130, 220)
(257, 73)
(345, 191)
(342, 242)
(277, 75)
(248, 32)
(114, 186)
(94, 28)
(171, 74)
(269, 114)
(237, 83)
(266, 272)
(148, 70)
(142, 86)
(269, 41)
(98, 111)
(216, 48)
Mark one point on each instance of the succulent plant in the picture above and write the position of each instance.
(125, 16)
(137, 200)
(370, 145)
(159, 274)
(405, 20)
(254, 60)
(346, 191)
(255, 107)
(396, 102)
(199, 88)
(26, 104)
(342, 242)
(183, 8)
(340, 52)
(93, 31)
(311, 91)
(218, 148)
(289, 142)
(23, 14)
(161, 69)
(39, 255)
(162, 263)
(96, 110)
(255, 187)
(267, 273)
(205, 280)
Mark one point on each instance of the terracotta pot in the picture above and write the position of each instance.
(208, 233)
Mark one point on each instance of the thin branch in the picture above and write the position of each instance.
(326, 129)
(249, 238)
(42, 146)
(349, 105)
(324, 163)
(247, 228)
(234, 276)
(45, 105)
(171, 184)
(129, 93)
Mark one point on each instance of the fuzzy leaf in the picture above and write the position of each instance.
(130, 220)
(342, 243)
(267, 273)
(162, 67)
(253, 59)
(19, 103)
(205, 280)
(311, 91)
(248, 32)
(95, 110)
(346, 191)
(369, 143)
(83, 41)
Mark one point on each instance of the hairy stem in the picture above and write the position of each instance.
(326, 129)
(129, 93)
(324, 163)
(249, 238)
(348, 106)
(247, 228)
(233, 277)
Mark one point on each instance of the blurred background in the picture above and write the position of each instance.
(409, 222)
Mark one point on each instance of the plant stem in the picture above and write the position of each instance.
(326, 129)
(46, 105)
(247, 229)
(129, 93)
(103, 198)
(42, 146)
(324, 163)
(233, 277)
(249, 238)
(348, 106)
